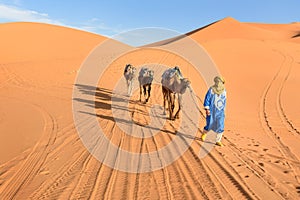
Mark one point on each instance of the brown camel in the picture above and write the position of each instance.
(170, 87)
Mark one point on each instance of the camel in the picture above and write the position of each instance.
(145, 79)
(170, 87)
(129, 74)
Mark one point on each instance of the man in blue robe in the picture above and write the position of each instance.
(214, 104)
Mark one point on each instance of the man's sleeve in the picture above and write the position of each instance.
(207, 99)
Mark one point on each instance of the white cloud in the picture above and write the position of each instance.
(11, 13)
(95, 25)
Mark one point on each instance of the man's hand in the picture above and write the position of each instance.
(207, 112)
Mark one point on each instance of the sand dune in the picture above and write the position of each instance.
(37, 61)
(230, 28)
(42, 156)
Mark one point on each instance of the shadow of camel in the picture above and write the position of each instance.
(103, 100)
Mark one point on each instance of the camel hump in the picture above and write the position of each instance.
(169, 73)
(145, 76)
(145, 71)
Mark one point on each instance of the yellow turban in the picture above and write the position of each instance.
(218, 87)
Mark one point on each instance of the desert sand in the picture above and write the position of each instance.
(43, 157)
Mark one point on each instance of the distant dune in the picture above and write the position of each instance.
(42, 156)
(32, 41)
(231, 28)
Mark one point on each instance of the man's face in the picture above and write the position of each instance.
(218, 81)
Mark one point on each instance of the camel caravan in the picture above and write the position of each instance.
(173, 85)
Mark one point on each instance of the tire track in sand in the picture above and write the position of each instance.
(36, 158)
(183, 176)
(229, 180)
(244, 189)
(273, 117)
(208, 169)
(69, 173)
(282, 113)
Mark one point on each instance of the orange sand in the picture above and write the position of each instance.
(42, 157)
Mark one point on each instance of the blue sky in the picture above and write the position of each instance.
(111, 17)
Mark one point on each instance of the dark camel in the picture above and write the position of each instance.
(170, 87)
(145, 79)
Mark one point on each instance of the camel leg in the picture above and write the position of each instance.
(179, 106)
(145, 91)
(141, 93)
(171, 105)
(130, 88)
(177, 113)
(149, 91)
(127, 83)
(164, 98)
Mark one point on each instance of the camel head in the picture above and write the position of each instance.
(151, 73)
(185, 83)
(130, 72)
(128, 68)
(133, 70)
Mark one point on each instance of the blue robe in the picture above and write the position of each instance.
(216, 104)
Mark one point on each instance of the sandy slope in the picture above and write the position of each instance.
(261, 78)
(42, 156)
